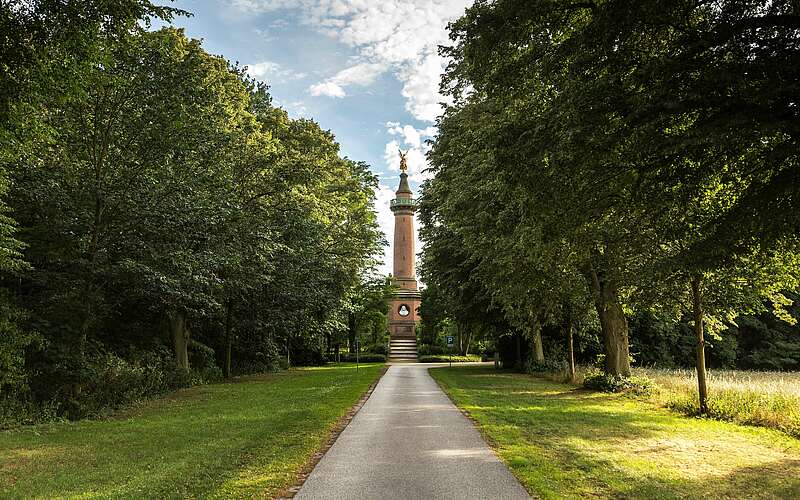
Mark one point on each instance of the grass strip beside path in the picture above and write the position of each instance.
(241, 439)
(563, 442)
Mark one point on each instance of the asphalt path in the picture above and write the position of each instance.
(409, 441)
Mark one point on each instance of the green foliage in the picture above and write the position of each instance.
(444, 358)
(762, 342)
(424, 349)
(364, 357)
(598, 154)
(601, 381)
(15, 340)
(550, 364)
(161, 199)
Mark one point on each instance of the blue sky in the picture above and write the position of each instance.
(368, 70)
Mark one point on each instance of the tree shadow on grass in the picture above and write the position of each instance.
(566, 442)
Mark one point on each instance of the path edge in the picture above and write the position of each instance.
(491, 443)
(308, 467)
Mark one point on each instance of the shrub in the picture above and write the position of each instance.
(601, 381)
(446, 358)
(364, 357)
(202, 361)
(14, 341)
(16, 411)
(548, 365)
(428, 349)
(74, 385)
(380, 349)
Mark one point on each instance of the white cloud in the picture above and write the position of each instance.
(272, 71)
(400, 34)
(361, 74)
(329, 89)
(413, 140)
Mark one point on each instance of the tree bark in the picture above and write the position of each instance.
(613, 324)
(460, 336)
(536, 338)
(570, 348)
(466, 340)
(180, 339)
(518, 362)
(697, 312)
(351, 332)
(228, 337)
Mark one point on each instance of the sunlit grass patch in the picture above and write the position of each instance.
(761, 398)
(228, 440)
(567, 443)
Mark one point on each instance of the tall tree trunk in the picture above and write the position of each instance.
(466, 340)
(228, 337)
(459, 336)
(613, 325)
(536, 338)
(180, 339)
(351, 331)
(518, 362)
(697, 312)
(570, 348)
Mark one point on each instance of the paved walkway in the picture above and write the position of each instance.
(410, 442)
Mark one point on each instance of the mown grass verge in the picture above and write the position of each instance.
(566, 442)
(231, 440)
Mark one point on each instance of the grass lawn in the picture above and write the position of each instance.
(763, 398)
(242, 439)
(566, 442)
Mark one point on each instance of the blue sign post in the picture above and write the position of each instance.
(450, 342)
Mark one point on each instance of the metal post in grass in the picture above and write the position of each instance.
(450, 342)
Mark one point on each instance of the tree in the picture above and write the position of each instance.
(593, 114)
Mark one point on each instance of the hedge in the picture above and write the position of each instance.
(443, 358)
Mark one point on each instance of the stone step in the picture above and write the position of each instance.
(403, 349)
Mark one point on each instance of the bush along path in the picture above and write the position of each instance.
(563, 442)
(232, 440)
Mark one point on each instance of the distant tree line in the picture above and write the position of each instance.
(163, 223)
(603, 162)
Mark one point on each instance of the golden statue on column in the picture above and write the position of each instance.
(403, 164)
